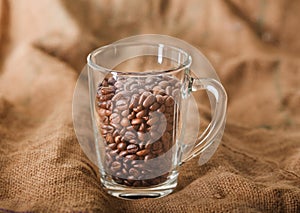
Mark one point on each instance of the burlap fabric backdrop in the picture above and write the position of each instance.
(255, 48)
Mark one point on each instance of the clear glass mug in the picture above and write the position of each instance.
(139, 93)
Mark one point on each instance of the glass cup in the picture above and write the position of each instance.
(139, 96)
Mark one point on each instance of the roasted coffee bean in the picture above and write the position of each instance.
(115, 166)
(131, 157)
(121, 104)
(114, 153)
(107, 90)
(142, 127)
(134, 172)
(121, 146)
(142, 152)
(118, 139)
(112, 145)
(106, 97)
(169, 90)
(138, 108)
(118, 180)
(101, 112)
(154, 106)
(169, 101)
(149, 100)
(102, 104)
(141, 113)
(118, 84)
(143, 97)
(132, 148)
(125, 122)
(166, 137)
(109, 138)
(125, 113)
(111, 81)
(134, 101)
(129, 135)
(136, 121)
(123, 153)
(161, 109)
(163, 84)
(156, 146)
(115, 118)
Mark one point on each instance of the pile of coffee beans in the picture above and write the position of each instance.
(137, 118)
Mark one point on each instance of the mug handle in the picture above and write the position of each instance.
(218, 120)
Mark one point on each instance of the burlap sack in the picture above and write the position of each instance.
(254, 46)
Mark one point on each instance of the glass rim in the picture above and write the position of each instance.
(91, 63)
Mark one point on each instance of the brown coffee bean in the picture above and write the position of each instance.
(131, 157)
(118, 84)
(118, 180)
(158, 152)
(163, 84)
(109, 138)
(132, 148)
(143, 97)
(136, 121)
(142, 127)
(125, 122)
(138, 108)
(148, 157)
(101, 112)
(104, 82)
(106, 97)
(142, 152)
(119, 96)
(121, 104)
(141, 113)
(156, 146)
(154, 106)
(123, 130)
(118, 139)
(159, 99)
(107, 90)
(114, 153)
(131, 116)
(134, 172)
(117, 126)
(166, 137)
(149, 101)
(176, 93)
(125, 113)
(169, 101)
(121, 146)
(124, 172)
(115, 166)
(129, 135)
(112, 146)
(102, 104)
(123, 153)
(115, 118)
(169, 90)
(134, 101)
(161, 109)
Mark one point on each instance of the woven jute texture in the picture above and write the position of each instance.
(255, 48)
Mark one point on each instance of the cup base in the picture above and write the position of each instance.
(129, 193)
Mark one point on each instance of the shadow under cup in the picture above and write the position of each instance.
(138, 94)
